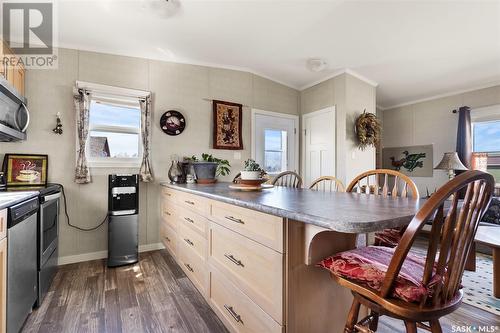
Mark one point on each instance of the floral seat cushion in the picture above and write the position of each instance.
(368, 266)
(388, 237)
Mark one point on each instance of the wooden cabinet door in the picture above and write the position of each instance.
(3, 285)
(19, 79)
(3, 64)
(3, 223)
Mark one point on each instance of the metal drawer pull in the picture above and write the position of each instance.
(188, 241)
(234, 260)
(189, 202)
(189, 220)
(233, 313)
(189, 267)
(234, 219)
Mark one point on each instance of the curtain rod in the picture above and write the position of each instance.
(211, 100)
(87, 92)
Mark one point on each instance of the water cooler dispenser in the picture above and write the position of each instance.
(123, 220)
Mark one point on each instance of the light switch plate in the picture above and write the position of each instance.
(237, 156)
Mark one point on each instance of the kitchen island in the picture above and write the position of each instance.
(252, 254)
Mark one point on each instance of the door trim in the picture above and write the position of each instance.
(332, 109)
(295, 118)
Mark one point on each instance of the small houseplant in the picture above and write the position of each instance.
(209, 168)
(252, 170)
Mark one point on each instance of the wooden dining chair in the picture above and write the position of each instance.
(386, 183)
(287, 179)
(327, 184)
(404, 285)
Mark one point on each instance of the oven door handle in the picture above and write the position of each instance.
(52, 197)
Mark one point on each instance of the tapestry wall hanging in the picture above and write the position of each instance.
(414, 161)
(227, 125)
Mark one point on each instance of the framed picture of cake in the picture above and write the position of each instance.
(26, 170)
(227, 125)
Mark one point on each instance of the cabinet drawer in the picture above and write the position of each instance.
(255, 269)
(3, 223)
(168, 213)
(194, 241)
(238, 311)
(194, 267)
(263, 228)
(168, 194)
(193, 220)
(194, 203)
(168, 238)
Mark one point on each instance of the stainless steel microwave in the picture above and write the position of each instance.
(14, 114)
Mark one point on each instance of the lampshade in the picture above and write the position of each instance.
(450, 161)
(479, 162)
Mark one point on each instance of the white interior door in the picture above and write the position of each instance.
(275, 141)
(319, 144)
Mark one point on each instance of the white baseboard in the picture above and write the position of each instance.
(103, 254)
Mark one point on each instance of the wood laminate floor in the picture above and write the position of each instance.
(156, 296)
(153, 295)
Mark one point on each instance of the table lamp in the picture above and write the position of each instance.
(450, 163)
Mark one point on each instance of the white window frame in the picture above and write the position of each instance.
(484, 115)
(121, 97)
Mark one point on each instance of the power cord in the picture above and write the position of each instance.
(67, 215)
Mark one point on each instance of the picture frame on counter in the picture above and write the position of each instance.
(25, 169)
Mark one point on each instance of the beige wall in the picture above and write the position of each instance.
(350, 96)
(175, 86)
(432, 122)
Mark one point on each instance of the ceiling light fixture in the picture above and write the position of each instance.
(164, 8)
(316, 64)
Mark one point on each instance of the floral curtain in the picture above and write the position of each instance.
(82, 103)
(146, 172)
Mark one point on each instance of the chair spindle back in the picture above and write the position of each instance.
(384, 182)
(287, 179)
(452, 234)
(327, 184)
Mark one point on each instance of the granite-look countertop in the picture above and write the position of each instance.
(8, 199)
(338, 211)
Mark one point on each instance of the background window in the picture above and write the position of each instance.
(114, 134)
(486, 139)
(275, 151)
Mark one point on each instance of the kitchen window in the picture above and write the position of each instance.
(114, 132)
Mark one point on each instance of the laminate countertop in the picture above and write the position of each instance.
(8, 199)
(338, 211)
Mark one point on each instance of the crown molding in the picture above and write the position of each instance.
(448, 94)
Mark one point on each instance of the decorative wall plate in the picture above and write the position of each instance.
(172, 122)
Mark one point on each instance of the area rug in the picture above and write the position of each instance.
(478, 286)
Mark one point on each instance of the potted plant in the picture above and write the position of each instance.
(209, 168)
(251, 171)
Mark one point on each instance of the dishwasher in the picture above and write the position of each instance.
(21, 263)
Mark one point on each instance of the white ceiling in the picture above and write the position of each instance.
(412, 49)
